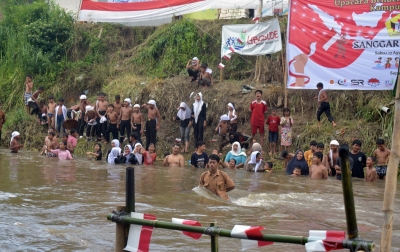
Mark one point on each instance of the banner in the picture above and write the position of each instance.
(344, 44)
(251, 39)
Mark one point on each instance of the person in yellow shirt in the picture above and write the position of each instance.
(308, 155)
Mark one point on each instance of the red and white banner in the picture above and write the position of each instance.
(195, 236)
(345, 45)
(122, 11)
(251, 39)
(325, 240)
(139, 236)
(245, 232)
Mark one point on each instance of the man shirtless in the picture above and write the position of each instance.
(152, 123)
(318, 170)
(112, 126)
(81, 120)
(125, 120)
(222, 130)
(42, 116)
(15, 145)
(137, 120)
(117, 104)
(28, 91)
(50, 143)
(323, 102)
(101, 109)
(51, 111)
(333, 155)
(175, 159)
(382, 157)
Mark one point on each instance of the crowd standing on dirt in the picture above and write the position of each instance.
(127, 124)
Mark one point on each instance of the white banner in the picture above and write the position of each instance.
(346, 45)
(251, 39)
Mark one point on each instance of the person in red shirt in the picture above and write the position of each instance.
(273, 121)
(258, 108)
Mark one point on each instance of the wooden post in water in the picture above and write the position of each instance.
(391, 178)
(349, 207)
(214, 239)
(120, 233)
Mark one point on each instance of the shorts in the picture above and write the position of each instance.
(254, 129)
(272, 137)
(27, 96)
(223, 138)
(50, 115)
(381, 171)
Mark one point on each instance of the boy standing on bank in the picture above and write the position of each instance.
(258, 108)
(28, 91)
(137, 120)
(51, 111)
(273, 122)
(152, 123)
(125, 120)
(323, 102)
(101, 110)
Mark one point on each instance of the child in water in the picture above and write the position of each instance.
(296, 172)
(150, 156)
(371, 170)
(14, 143)
(97, 152)
(268, 167)
(63, 153)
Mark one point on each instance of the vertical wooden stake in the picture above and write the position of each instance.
(391, 178)
(221, 75)
(120, 233)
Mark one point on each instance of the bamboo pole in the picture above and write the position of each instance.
(214, 239)
(221, 75)
(215, 231)
(120, 233)
(349, 207)
(391, 178)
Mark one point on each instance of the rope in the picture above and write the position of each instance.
(212, 230)
(361, 245)
(117, 216)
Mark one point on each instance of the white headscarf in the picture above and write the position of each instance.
(233, 112)
(253, 160)
(13, 135)
(130, 152)
(197, 105)
(239, 151)
(183, 115)
(114, 153)
(129, 101)
(333, 142)
(138, 156)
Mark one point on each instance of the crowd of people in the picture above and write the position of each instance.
(126, 123)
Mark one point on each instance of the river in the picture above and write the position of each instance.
(52, 205)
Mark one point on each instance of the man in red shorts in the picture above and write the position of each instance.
(258, 108)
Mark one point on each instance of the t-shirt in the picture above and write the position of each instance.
(239, 159)
(339, 176)
(257, 112)
(72, 140)
(62, 154)
(359, 162)
(273, 123)
(100, 155)
(199, 161)
(308, 155)
(149, 158)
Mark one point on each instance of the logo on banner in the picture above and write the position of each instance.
(373, 82)
(238, 43)
(343, 82)
(389, 82)
(357, 82)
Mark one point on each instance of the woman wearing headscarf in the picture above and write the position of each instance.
(236, 154)
(199, 116)
(184, 115)
(114, 152)
(138, 153)
(298, 161)
(232, 118)
(125, 157)
(255, 164)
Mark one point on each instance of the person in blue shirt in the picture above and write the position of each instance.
(237, 154)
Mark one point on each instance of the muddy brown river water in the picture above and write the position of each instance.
(52, 205)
